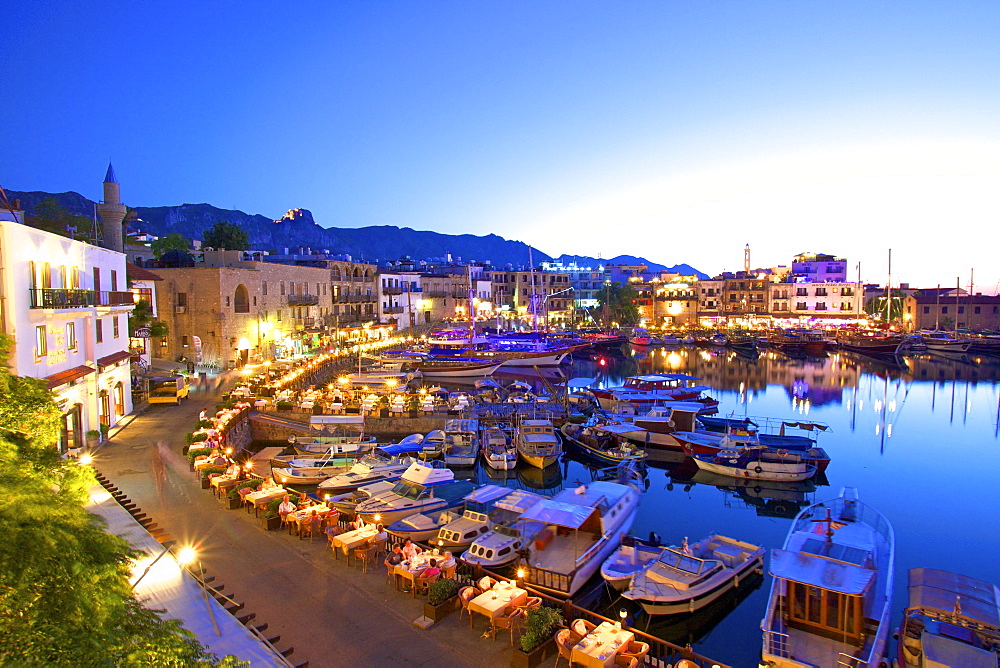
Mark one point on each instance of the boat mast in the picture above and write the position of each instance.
(888, 294)
(958, 288)
(937, 318)
(472, 309)
(533, 300)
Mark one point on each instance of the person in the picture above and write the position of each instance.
(203, 415)
(394, 558)
(234, 470)
(358, 523)
(431, 570)
(380, 535)
(410, 550)
(286, 507)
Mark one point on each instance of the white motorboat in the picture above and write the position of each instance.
(757, 462)
(687, 578)
(461, 443)
(421, 489)
(499, 450)
(332, 445)
(304, 475)
(421, 527)
(499, 547)
(832, 589)
(577, 530)
(371, 468)
(347, 502)
(632, 557)
(477, 518)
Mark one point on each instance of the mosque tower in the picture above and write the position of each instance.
(112, 212)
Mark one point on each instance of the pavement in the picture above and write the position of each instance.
(332, 614)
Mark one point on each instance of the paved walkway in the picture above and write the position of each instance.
(331, 614)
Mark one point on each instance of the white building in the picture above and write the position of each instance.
(831, 301)
(401, 300)
(66, 305)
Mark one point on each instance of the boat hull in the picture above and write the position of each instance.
(756, 472)
(700, 600)
(538, 461)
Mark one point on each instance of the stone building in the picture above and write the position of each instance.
(526, 298)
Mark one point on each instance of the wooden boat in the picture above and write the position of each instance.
(461, 443)
(537, 443)
(632, 557)
(332, 445)
(951, 620)
(831, 591)
(687, 578)
(650, 389)
(304, 475)
(702, 444)
(499, 450)
(757, 462)
(602, 442)
(870, 344)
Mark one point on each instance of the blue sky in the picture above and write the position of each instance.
(677, 131)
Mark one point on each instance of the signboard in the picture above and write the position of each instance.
(142, 332)
(197, 349)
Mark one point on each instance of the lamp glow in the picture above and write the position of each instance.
(186, 556)
(86, 459)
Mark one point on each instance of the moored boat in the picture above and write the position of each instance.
(421, 489)
(499, 450)
(689, 577)
(370, 469)
(537, 443)
(461, 442)
(757, 462)
(304, 475)
(477, 518)
(831, 591)
(632, 557)
(870, 344)
(602, 443)
(944, 342)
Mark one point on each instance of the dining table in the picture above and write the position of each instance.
(349, 540)
(303, 514)
(262, 497)
(599, 647)
(497, 601)
(411, 568)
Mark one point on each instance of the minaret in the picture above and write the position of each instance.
(112, 212)
(746, 256)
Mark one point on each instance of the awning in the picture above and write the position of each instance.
(68, 376)
(819, 572)
(113, 358)
(556, 512)
(932, 589)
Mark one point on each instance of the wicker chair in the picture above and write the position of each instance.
(626, 661)
(636, 649)
(310, 526)
(422, 585)
(533, 603)
(508, 621)
(486, 583)
(465, 595)
(366, 555)
(582, 627)
(565, 639)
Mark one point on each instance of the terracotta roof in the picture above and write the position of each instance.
(67, 376)
(140, 273)
(114, 358)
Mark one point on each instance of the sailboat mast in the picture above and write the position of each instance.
(533, 300)
(888, 293)
(958, 288)
(472, 309)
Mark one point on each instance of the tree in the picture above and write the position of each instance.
(876, 306)
(619, 301)
(174, 241)
(224, 235)
(65, 596)
(51, 216)
(142, 316)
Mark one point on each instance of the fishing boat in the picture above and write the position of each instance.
(831, 591)
(633, 557)
(304, 475)
(477, 518)
(758, 462)
(369, 469)
(421, 489)
(870, 343)
(951, 620)
(499, 450)
(305, 461)
(708, 445)
(602, 442)
(577, 530)
(689, 577)
(943, 342)
(537, 443)
(461, 443)
(501, 545)
(433, 445)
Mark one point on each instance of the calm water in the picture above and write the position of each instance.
(919, 441)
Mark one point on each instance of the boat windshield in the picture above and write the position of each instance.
(408, 490)
(681, 561)
(513, 532)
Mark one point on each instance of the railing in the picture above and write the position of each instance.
(69, 298)
(392, 309)
(844, 659)
(776, 644)
(392, 290)
(438, 293)
(303, 300)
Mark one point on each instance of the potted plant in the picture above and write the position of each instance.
(234, 499)
(442, 599)
(413, 405)
(538, 641)
(284, 405)
(198, 438)
(104, 431)
(194, 453)
(383, 406)
(205, 472)
(271, 521)
(93, 438)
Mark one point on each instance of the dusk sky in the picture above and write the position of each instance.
(677, 131)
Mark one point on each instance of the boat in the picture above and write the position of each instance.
(701, 444)
(370, 469)
(757, 462)
(304, 475)
(640, 337)
(347, 502)
(602, 442)
(537, 443)
(477, 518)
(944, 342)
(576, 531)
(461, 442)
(305, 461)
(689, 577)
(421, 489)
(421, 527)
(456, 367)
(951, 620)
(650, 389)
(633, 557)
(870, 343)
(831, 591)
(332, 445)
(789, 343)
(502, 545)
(499, 450)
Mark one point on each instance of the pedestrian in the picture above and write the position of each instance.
(203, 415)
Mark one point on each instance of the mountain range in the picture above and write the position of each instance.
(298, 229)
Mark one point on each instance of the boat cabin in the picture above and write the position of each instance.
(658, 382)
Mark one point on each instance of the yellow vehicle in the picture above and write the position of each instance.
(168, 389)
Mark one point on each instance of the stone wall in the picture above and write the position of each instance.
(392, 428)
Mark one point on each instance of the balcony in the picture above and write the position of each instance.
(67, 298)
(437, 293)
(389, 310)
(392, 290)
(303, 300)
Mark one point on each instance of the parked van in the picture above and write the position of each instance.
(168, 389)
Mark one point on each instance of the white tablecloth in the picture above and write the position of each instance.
(599, 647)
(352, 539)
(497, 601)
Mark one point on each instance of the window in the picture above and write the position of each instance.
(41, 342)
(927, 310)
(944, 309)
(114, 280)
(977, 310)
(801, 306)
(182, 299)
(99, 325)
(114, 327)
(184, 341)
(282, 286)
(961, 309)
(74, 278)
(279, 315)
(97, 279)
(241, 299)
(120, 399)
(227, 300)
(801, 292)
(263, 288)
(71, 335)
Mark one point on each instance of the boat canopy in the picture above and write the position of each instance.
(558, 513)
(422, 474)
(819, 572)
(463, 424)
(518, 502)
(581, 382)
(941, 650)
(932, 589)
(488, 493)
(618, 428)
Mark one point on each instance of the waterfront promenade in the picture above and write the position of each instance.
(332, 614)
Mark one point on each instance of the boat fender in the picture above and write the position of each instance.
(782, 453)
(736, 580)
(779, 509)
(757, 469)
(757, 489)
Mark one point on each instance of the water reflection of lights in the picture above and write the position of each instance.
(892, 406)
(674, 360)
(705, 355)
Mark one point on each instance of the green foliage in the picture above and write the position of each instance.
(142, 316)
(208, 470)
(621, 302)
(224, 235)
(194, 453)
(175, 241)
(272, 508)
(204, 424)
(540, 625)
(283, 405)
(254, 483)
(52, 217)
(876, 306)
(198, 438)
(27, 408)
(441, 590)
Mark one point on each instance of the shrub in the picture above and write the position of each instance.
(284, 405)
(441, 590)
(540, 625)
(194, 453)
(198, 438)
(272, 508)
(204, 424)
(253, 483)
(205, 472)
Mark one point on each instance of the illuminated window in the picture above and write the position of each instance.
(71, 335)
(41, 342)
(114, 327)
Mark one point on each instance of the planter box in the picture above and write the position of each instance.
(439, 612)
(233, 504)
(206, 483)
(270, 523)
(535, 657)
